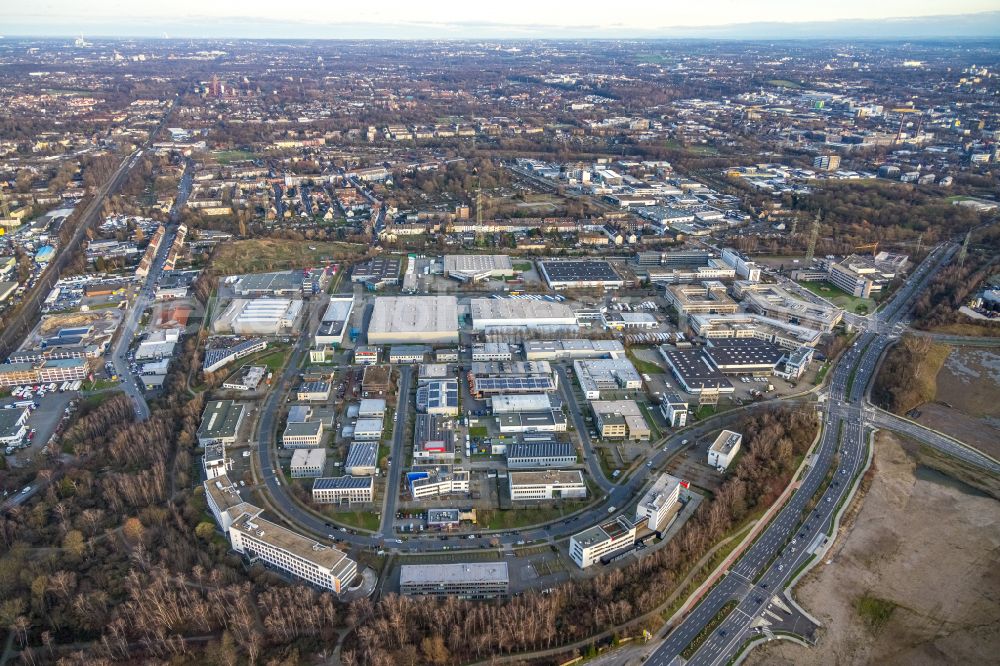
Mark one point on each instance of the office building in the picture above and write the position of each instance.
(308, 463)
(588, 547)
(407, 354)
(540, 453)
(302, 434)
(368, 429)
(261, 540)
(659, 502)
(375, 381)
(365, 355)
(361, 459)
(248, 380)
(438, 482)
(606, 374)
(709, 297)
(675, 410)
(313, 392)
(471, 580)
(343, 490)
(13, 426)
(724, 449)
(547, 485)
(439, 397)
(546, 420)
(620, 419)
(774, 302)
(487, 387)
(491, 351)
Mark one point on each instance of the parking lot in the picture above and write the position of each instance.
(44, 420)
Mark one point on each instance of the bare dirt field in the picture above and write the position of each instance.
(967, 404)
(914, 579)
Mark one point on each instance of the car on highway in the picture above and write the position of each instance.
(25, 490)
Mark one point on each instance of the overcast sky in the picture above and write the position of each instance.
(443, 18)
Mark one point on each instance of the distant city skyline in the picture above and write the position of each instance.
(396, 19)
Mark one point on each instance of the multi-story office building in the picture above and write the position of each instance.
(308, 463)
(675, 410)
(540, 453)
(724, 449)
(472, 580)
(361, 459)
(606, 374)
(774, 302)
(302, 434)
(550, 484)
(343, 490)
(620, 419)
(491, 351)
(588, 547)
(659, 502)
(276, 546)
(434, 483)
(555, 350)
(549, 420)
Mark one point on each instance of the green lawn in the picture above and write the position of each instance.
(478, 431)
(821, 374)
(503, 520)
(227, 156)
(645, 367)
(522, 266)
(273, 361)
(839, 297)
(365, 520)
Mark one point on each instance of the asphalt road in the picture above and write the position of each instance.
(395, 472)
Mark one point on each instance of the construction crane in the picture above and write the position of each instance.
(813, 236)
(871, 247)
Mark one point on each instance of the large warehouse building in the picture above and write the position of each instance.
(580, 274)
(259, 316)
(554, 350)
(489, 313)
(413, 319)
(476, 267)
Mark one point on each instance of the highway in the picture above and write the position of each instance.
(766, 567)
(943, 443)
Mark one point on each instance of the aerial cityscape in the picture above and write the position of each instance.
(474, 341)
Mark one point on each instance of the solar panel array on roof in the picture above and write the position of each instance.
(342, 482)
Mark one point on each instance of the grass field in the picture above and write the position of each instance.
(271, 254)
(645, 367)
(502, 520)
(365, 520)
(839, 297)
(227, 156)
(784, 83)
(874, 612)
